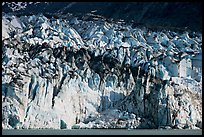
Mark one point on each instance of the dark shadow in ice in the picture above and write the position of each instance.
(110, 101)
(9, 91)
(114, 96)
(13, 120)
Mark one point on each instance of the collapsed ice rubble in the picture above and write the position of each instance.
(60, 73)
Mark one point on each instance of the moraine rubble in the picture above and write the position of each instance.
(72, 73)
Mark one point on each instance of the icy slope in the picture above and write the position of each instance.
(72, 73)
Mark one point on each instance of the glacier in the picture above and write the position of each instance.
(70, 73)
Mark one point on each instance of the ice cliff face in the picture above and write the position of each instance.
(73, 73)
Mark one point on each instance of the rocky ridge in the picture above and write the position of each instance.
(78, 73)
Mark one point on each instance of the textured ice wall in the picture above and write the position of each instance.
(60, 73)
